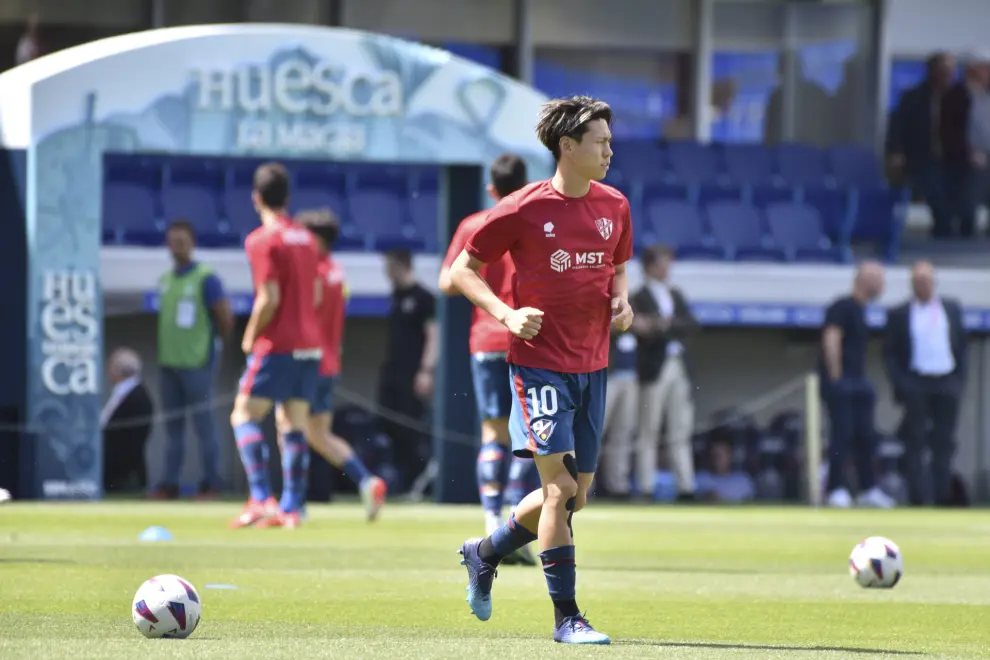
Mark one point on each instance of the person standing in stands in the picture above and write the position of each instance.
(194, 317)
(405, 382)
(848, 394)
(621, 413)
(662, 324)
(914, 141)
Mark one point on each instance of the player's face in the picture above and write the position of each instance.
(590, 157)
(180, 244)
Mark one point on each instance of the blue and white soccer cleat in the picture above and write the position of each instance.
(480, 578)
(577, 630)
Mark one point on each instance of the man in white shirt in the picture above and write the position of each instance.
(662, 323)
(925, 352)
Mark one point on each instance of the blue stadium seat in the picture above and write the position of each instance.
(692, 162)
(709, 193)
(797, 228)
(238, 209)
(855, 166)
(637, 160)
(748, 164)
(738, 229)
(678, 225)
(424, 211)
(198, 204)
(800, 164)
(834, 209)
(377, 207)
(659, 191)
(130, 215)
(879, 215)
(763, 195)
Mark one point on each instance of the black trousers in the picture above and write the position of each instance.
(410, 445)
(123, 459)
(851, 405)
(931, 411)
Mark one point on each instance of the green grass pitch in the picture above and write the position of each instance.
(666, 582)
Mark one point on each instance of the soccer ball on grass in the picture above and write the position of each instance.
(876, 563)
(166, 606)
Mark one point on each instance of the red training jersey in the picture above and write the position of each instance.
(565, 250)
(285, 253)
(332, 311)
(487, 334)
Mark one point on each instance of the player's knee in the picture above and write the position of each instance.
(562, 492)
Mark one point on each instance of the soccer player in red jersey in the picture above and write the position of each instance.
(570, 238)
(282, 341)
(489, 344)
(325, 228)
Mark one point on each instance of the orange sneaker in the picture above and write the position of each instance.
(285, 520)
(254, 512)
(373, 493)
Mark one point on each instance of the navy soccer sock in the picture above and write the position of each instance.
(295, 466)
(254, 455)
(523, 480)
(492, 470)
(356, 470)
(561, 574)
(504, 541)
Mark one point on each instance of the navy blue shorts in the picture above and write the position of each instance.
(492, 391)
(280, 377)
(322, 402)
(554, 412)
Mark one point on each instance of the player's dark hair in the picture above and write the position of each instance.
(569, 117)
(508, 174)
(323, 223)
(182, 225)
(655, 253)
(271, 182)
(401, 256)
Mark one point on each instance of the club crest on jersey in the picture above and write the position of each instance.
(604, 227)
(543, 428)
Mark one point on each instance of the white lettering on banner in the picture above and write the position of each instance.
(297, 87)
(70, 332)
(57, 488)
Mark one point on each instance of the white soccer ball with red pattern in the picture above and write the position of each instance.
(876, 563)
(166, 606)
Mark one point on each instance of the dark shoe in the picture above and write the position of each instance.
(165, 493)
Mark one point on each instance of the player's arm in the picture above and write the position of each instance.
(465, 275)
(445, 284)
(832, 350)
(216, 299)
(267, 295)
(622, 312)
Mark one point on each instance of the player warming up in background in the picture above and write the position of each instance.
(282, 341)
(570, 238)
(489, 345)
(325, 229)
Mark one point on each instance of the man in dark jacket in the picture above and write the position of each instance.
(914, 140)
(663, 322)
(925, 352)
(126, 422)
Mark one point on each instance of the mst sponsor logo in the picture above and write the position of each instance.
(562, 260)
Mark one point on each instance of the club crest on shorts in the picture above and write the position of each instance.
(604, 227)
(543, 428)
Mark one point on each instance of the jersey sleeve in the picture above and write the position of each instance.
(837, 314)
(212, 290)
(259, 253)
(624, 248)
(457, 243)
(498, 234)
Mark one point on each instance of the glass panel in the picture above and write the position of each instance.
(641, 87)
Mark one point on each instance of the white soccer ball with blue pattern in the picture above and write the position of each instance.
(876, 563)
(166, 606)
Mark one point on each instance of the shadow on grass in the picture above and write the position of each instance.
(763, 647)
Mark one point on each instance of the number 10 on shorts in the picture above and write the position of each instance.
(542, 401)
